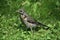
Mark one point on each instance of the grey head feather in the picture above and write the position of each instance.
(22, 11)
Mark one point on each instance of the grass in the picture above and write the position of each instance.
(44, 11)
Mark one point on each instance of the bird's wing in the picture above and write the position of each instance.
(31, 20)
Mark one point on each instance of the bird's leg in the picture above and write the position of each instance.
(31, 29)
(34, 30)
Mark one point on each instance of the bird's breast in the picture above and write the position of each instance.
(24, 17)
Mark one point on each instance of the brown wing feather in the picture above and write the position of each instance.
(30, 20)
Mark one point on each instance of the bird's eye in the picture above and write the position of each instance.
(21, 11)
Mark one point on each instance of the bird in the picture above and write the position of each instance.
(29, 21)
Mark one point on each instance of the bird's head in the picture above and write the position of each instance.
(21, 11)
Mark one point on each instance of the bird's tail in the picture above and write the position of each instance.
(43, 26)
